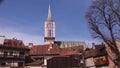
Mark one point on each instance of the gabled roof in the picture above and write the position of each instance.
(99, 50)
(52, 49)
(45, 49)
(89, 53)
(13, 43)
(75, 50)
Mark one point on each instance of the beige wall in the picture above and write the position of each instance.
(89, 62)
(4, 67)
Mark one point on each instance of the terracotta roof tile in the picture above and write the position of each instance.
(45, 49)
(98, 51)
(13, 43)
(75, 50)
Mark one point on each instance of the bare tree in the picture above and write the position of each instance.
(103, 18)
(1, 1)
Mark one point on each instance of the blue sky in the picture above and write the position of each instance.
(24, 20)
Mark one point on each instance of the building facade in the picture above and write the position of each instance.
(96, 57)
(12, 53)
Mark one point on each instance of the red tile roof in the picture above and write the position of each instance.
(70, 53)
(75, 50)
(89, 53)
(98, 51)
(13, 43)
(45, 49)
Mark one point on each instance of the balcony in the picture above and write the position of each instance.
(12, 56)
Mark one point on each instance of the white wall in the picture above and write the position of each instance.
(4, 67)
(89, 62)
(34, 67)
(2, 40)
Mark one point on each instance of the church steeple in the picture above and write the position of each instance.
(49, 28)
(49, 14)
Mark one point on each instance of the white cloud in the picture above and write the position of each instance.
(26, 38)
(35, 39)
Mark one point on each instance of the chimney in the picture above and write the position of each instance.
(30, 45)
(2, 38)
(102, 43)
(51, 46)
(93, 45)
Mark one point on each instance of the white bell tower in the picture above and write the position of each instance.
(49, 29)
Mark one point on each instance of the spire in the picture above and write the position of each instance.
(49, 13)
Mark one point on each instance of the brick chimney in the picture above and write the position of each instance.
(93, 45)
(2, 38)
(30, 45)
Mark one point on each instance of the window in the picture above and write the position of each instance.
(16, 54)
(49, 33)
(8, 63)
(11, 54)
(14, 64)
(20, 63)
(2, 64)
(1, 53)
(21, 54)
(5, 54)
(49, 25)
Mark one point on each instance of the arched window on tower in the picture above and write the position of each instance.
(50, 25)
(50, 33)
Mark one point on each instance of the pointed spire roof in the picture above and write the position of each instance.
(49, 14)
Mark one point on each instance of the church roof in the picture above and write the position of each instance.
(64, 44)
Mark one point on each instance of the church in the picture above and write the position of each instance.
(49, 36)
(55, 54)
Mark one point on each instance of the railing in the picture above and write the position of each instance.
(12, 56)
